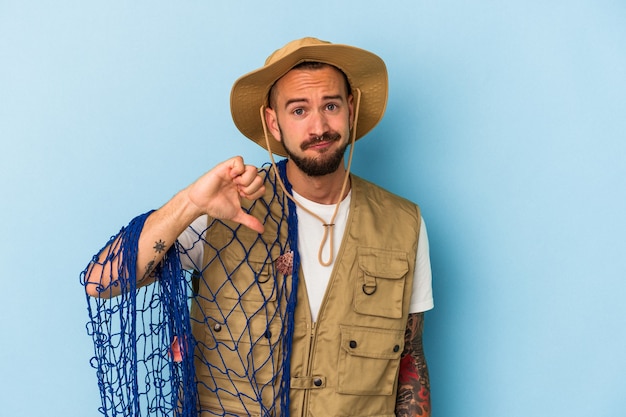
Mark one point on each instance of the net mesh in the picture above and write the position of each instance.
(212, 336)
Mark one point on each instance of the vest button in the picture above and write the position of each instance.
(396, 348)
(317, 382)
(217, 327)
(352, 344)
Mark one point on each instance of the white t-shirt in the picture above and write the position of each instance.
(310, 235)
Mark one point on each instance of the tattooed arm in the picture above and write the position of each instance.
(413, 383)
(217, 193)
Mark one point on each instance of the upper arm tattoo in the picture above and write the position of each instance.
(413, 382)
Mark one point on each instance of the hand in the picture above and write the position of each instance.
(218, 193)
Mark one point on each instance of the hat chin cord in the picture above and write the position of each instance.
(328, 226)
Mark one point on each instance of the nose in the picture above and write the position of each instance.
(318, 124)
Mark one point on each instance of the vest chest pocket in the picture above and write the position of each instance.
(379, 288)
(251, 281)
(369, 360)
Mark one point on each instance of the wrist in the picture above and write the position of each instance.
(185, 209)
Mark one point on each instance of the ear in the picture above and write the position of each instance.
(272, 123)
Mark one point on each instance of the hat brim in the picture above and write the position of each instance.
(365, 71)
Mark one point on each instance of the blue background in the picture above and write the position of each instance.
(506, 123)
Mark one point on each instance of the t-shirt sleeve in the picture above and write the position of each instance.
(190, 247)
(422, 297)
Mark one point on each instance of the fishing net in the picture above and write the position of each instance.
(214, 340)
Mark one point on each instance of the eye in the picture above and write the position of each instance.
(298, 112)
(331, 107)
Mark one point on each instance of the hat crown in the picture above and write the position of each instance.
(291, 47)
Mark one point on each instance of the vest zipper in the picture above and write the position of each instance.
(309, 364)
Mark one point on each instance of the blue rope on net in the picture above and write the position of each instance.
(203, 342)
(133, 335)
(291, 305)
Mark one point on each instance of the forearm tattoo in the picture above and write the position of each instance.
(151, 266)
(413, 382)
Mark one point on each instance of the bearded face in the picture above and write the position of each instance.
(310, 114)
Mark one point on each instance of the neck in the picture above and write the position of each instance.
(324, 189)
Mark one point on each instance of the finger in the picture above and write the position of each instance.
(249, 182)
(251, 189)
(237, 167)
(245, 178)
(254, 196)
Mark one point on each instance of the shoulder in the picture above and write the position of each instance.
(378, 195)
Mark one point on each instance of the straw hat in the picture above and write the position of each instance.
(364, 70)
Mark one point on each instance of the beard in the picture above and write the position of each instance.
(325, 163)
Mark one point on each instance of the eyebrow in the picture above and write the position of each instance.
(304, 100)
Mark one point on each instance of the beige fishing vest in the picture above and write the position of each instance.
(345, 364)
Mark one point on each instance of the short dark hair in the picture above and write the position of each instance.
(308, 65)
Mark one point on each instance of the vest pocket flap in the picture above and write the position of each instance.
(380, 286)
(368, 360)
(237, 327)
(383, 263)
(251, 279)
(372, 342)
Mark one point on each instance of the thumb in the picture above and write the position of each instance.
(249, 221)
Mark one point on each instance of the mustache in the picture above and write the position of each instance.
(326, 137)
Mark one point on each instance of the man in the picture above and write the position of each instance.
(315, 307)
